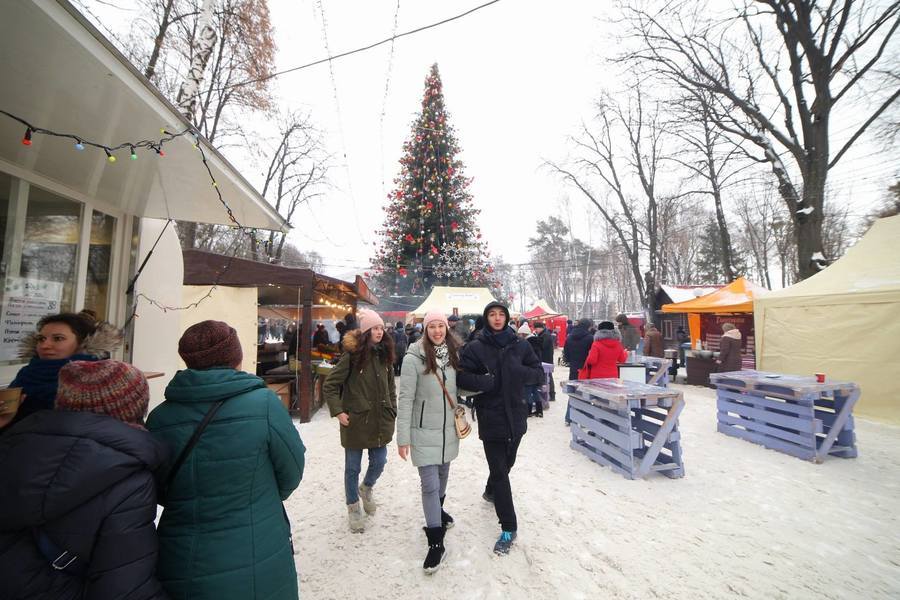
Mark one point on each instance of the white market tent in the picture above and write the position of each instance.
(464, 300)
(842, 321)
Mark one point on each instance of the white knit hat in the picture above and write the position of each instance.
(524, 329)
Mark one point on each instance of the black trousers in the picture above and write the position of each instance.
(501, 456)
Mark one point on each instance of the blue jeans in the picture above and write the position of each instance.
(352, 467)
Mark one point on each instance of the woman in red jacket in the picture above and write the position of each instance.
(606, 352)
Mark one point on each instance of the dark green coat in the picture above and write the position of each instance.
(223, 533)
(366, 393)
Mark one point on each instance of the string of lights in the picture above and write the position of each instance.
(156, 145)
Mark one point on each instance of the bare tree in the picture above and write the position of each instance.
(780, 96)
(600, 171)
(757, 212)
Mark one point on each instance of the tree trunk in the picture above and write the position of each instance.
(201, 50)
(150, 71)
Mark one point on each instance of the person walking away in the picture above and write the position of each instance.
(224, 533)
(426, 430)
(399, 346)
(458, 327)
(498, 365)
(605, 355)
(547, 344)
(78, 496)
(576, 349)
(653, 342)
(682, 337)
(729, 349)
(360, 392)
(532, 395)
(58, 340)
(628, 332)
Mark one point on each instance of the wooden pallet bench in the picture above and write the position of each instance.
(657, 369)
(629, 427)
(789, 413)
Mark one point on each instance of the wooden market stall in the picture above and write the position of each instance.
(732, 303)
(294, 294)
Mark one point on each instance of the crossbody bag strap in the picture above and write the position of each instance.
(191, 443)
(446, 393)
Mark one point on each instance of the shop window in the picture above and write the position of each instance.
(40, 254)
(96, 291)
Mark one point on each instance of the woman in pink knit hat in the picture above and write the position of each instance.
(425, 424)
(360, 393)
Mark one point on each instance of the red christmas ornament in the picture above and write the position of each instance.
(402, 271)
(409, 238)
(454, 225)
(450, 171)
(434, 249)
(366, 274)
(429, 205)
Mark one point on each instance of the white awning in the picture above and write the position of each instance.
(60, 73)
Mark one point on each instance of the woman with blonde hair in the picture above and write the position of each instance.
(425, 424)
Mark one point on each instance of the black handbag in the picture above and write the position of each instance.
(176, 466)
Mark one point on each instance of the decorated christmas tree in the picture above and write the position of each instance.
(430, 235)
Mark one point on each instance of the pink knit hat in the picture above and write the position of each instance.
(435, 316)
(368, 319)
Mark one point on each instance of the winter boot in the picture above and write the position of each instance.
(365, 493)
(446, 520)
(357, 518)
(436, 550)
(488, 495)
(504, 542)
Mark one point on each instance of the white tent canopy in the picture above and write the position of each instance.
(464, 300)
(841, 322)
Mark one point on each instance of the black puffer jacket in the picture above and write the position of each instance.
(499, 364)
(85, 482)
(578, 344)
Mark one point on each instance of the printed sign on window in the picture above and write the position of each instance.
(25, 302)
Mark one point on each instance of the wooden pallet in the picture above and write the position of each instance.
(657, 369)
(630, 427)
(794, 415)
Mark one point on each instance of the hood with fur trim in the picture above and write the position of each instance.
(105, 339)
(733, 333)
(607, 334)
(352, 341)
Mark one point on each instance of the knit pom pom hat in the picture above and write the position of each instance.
(435, 316)
(524, 329)
(105, 387)
(210, 344)
(368, 319)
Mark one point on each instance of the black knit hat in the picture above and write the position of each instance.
(495, 304)
(608, 325)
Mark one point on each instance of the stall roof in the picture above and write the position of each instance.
(278, 284)
(541, 309)
(467, 300)
(736, 297)
(61, 74)
(683, 293)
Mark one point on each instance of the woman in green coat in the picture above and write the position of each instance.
(360, 393)
(425, 424)
(223, 532)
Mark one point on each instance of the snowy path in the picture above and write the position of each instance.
(743, 522)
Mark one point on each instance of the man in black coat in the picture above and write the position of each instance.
(498, 365)
(546, 354)
(578, 344)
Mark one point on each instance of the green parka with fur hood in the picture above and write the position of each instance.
(424, 418)
(365, 392)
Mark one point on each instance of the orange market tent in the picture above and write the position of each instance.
(736, 297)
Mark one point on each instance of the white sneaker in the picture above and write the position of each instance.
(368, 502)
(356, 517)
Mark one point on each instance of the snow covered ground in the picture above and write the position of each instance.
(744, 522)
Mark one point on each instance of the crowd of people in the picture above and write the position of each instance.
(85, 466)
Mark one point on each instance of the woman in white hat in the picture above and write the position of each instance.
(425, 424)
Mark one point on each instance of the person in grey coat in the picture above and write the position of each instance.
(425, 424)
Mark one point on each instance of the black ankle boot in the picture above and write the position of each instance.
(446, 519)
(436, 551)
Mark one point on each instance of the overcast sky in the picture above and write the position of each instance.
(519, 76)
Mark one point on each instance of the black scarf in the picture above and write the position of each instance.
(500, 339)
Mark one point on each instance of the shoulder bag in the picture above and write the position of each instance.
(463, 429)
(176, 466)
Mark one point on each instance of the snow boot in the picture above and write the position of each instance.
(446, 519)
(356, 517)
(365, 493)
(436, 551)
(488, 494)
(504, 542)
